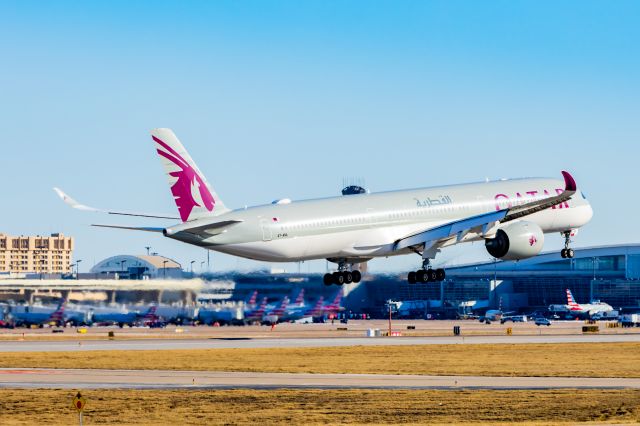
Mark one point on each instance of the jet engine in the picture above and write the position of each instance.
(518, 240)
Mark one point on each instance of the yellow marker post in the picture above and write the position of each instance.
(79, 403)
(509, 331)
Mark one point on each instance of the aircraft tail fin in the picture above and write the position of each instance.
(570, 300)
(282, 307)
(253, 298)
(193, 195)
(300, 299)
(57, 316)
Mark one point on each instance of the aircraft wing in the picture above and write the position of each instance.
(486, 223)
(76, 205)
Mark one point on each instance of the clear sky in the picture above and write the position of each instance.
(286, 99)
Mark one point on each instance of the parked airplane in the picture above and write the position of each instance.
(509, 216)
(299, 300)
(274, 315)
(28, 317)
(332, 309)
(495, 314)
(251, 301)
(301, 312)
(586, 308)
(255, 314)
(129, 318)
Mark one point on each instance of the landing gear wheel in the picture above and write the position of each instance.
(421, 276)
(440, 274)
(566, 252)
(357, 276)
(338, 278)
(327, 279)
(411, 277)
(431, 274)
(348, 277)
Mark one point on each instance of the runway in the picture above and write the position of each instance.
(165, 379)
(223, 343)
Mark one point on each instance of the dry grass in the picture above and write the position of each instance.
(574, 360)
(164, 407)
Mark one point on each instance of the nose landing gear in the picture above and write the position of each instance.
(567, 252)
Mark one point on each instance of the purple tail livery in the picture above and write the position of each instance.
(193, 195)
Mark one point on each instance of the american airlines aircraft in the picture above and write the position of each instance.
(586, 308)
(509, 216)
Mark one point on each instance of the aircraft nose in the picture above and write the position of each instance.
(586, 213)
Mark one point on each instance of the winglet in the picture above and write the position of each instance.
(73, 203)
(569, 182)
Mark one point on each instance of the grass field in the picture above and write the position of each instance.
(164, 407)
(573, 360)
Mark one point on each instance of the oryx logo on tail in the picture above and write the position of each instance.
(187, 180)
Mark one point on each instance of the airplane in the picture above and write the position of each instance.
(592, 308)
(301, 312)
(273, 315)
(332, 309)
(255, 314)
(298, 302)
(495, 314)
(510, 217)
(251, 301)
(27, 318)
(127, 318)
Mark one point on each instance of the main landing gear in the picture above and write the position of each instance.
(567, 252)
(426, 274)
(342, 276)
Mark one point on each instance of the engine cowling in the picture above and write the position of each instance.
(518, 240)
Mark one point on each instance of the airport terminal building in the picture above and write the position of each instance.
(607, 273)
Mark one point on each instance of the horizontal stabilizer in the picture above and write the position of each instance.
(131, 228)
(213, 228)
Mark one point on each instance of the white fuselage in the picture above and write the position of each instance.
(589, 308)
(363, 226)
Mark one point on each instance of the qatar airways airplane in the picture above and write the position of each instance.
(509, 216)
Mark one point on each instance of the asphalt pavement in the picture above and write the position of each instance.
(221, 343)
(166, 379)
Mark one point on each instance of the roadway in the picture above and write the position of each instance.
(165, 379)
(224, 343)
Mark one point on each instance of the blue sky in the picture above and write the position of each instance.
(286, 99)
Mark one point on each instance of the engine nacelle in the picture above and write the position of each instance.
(518, 240)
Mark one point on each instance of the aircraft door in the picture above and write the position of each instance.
(267, 230)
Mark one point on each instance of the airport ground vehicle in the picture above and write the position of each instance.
(630, 320)
(542, 321)
(510, 217)
(513, 318)
(606, 316)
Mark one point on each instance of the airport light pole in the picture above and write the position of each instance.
(192, 262)
(148, 248)
(78, 268)
(202, 266)
(164, 268)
